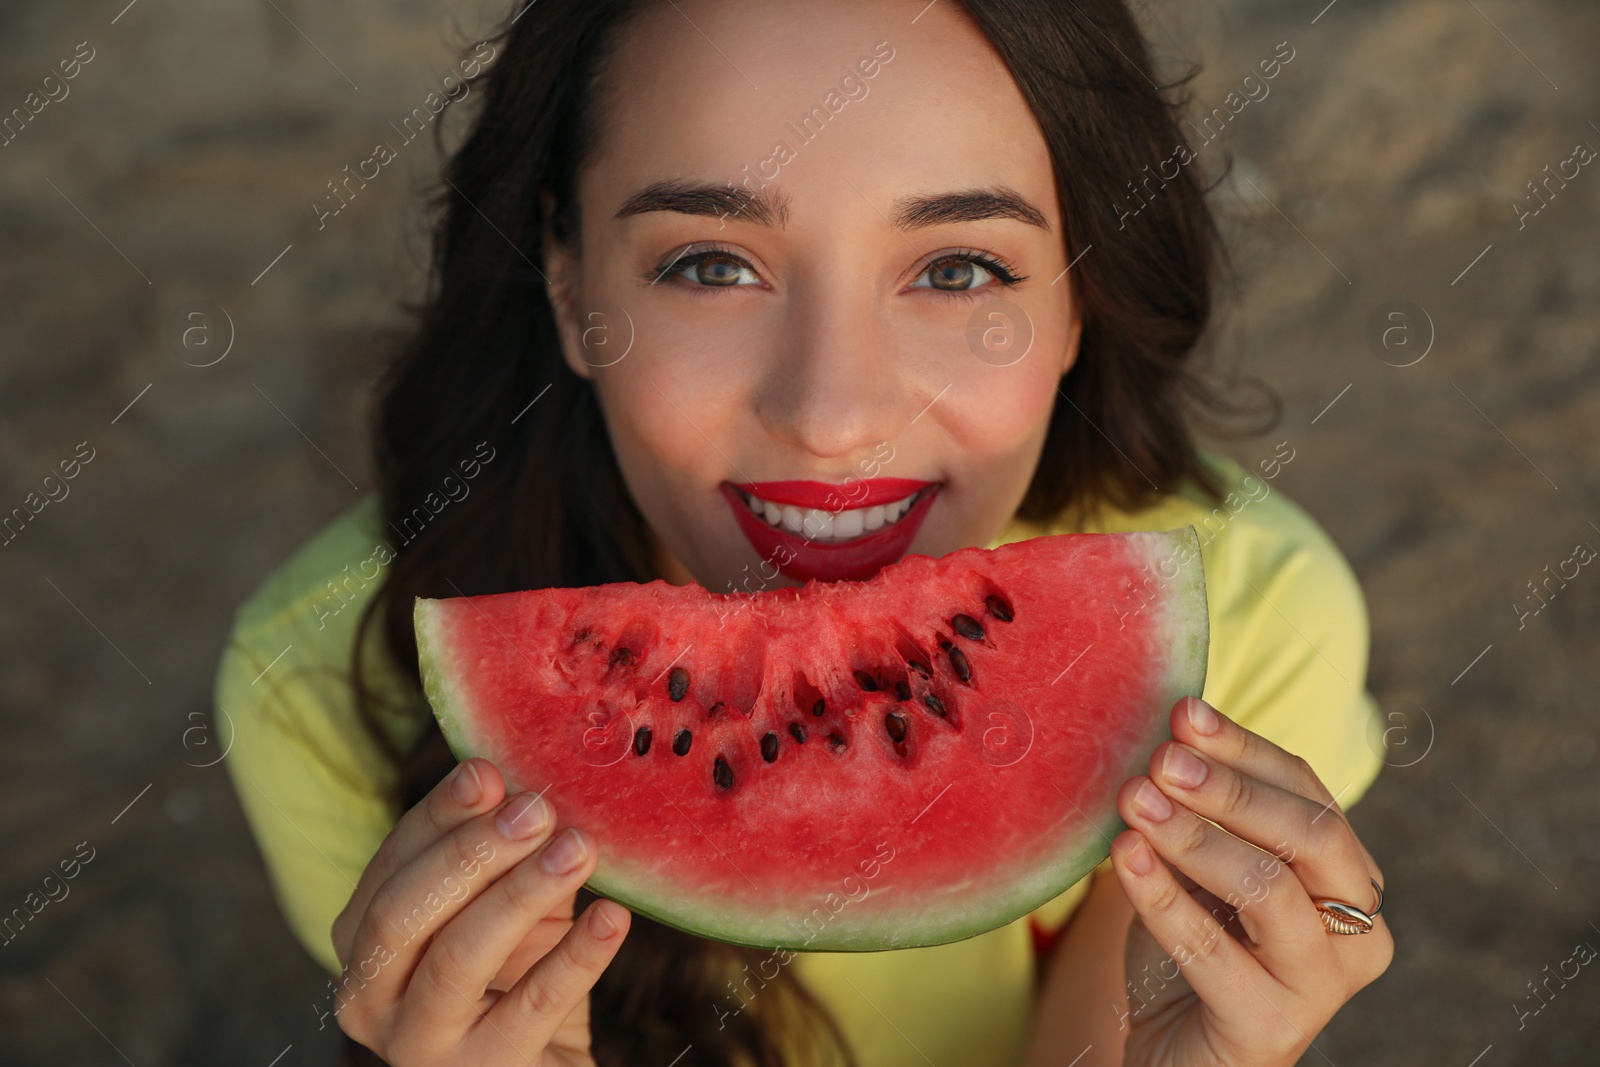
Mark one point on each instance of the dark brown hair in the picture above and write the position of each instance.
(551, 509)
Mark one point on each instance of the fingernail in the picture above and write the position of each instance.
(600, 924)
(1149, 802)
(523, 817)
(1140, 861)
(467, 787)
(1182, 767)
(565, 854)
(1203, 717)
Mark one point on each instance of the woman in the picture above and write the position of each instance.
(689, 247)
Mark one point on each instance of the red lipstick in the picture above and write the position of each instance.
(855, 493)
(803, 559)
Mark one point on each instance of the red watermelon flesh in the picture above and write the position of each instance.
(846, 766)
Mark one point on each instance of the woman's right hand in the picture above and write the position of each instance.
(458, 943)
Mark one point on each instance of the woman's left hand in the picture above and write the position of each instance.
(1228, 961)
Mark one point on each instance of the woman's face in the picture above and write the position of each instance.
(821, 288)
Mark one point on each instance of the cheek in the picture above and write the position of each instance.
(668, 406)
(646, 431)
(997, 418)
(998, 408)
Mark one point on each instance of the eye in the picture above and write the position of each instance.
(707, 269)
(965, 271)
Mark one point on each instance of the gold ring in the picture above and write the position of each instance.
(1341, 918)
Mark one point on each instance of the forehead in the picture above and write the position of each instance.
(834, 102)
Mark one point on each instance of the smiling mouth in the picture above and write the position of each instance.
(830, 527)
(800, 527)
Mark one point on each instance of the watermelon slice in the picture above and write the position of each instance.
(848, 766)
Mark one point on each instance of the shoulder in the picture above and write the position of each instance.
(1271, 569)
(321, 575)
(1253, 539)
(1261, 549)
(284, 674)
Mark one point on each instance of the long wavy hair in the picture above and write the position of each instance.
(552, 510)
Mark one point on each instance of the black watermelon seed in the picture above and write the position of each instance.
(622, 657)
(722, 774)
(677, 684)
(681, 742)
(967, 627)
(798, 732)
(641, 741)
(934, 704)
(963, 669)
(866, 681)
(902, 691)
(769, 747)
(837, 741)
(920, 667)
(819, 707)
(998, 608)
(895, 723)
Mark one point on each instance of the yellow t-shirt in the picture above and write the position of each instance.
(1288, 659)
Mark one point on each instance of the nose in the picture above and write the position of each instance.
(834, 387)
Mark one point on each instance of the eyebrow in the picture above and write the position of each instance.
(966, 205)
(908, 213)
(707, 198)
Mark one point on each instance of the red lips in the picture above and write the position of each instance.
(803, 559)
(856, 493)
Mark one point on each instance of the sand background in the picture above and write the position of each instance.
(1382, 167)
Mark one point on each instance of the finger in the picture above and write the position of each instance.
(1198, 724)
(467, 954)
(422, 897)
(1277, 916)
(1327, 857)
(1216, 966)
(1372, 865)
(530, 1014)
(535, 943)
(1213, 734)
(475, 786)
(1216, 907)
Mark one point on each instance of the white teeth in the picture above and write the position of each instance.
(816, 524)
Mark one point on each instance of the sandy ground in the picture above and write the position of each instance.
(1381, 169)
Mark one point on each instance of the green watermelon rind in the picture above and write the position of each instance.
(448, 706)
(1186, 675)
